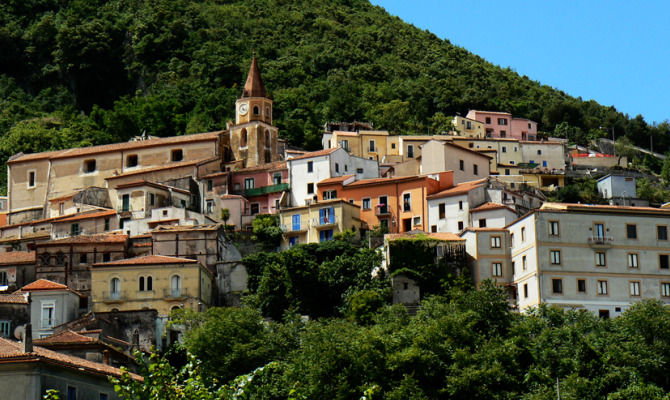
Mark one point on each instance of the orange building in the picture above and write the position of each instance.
(398, 203)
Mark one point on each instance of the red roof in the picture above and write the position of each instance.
(314, 154)
(490, 206)
(336, 179)
(17, 257)
(98, 214)
(11, 351)
(13, 298)
(461, 188)
(445, 236)
(159, 168)
(142, 182)
(146, 260)
(254, 86)
(87, 239)
(43, 284)
(65, 337)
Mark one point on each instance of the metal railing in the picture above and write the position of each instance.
(114, 296)
(266, 189)
(600, 240)
(175, 293)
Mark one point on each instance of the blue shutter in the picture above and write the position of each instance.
(332, 215)
(322, 236)
(296, 222)
(322, 216)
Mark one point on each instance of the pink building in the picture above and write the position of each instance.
(263, 186)
(503, 125)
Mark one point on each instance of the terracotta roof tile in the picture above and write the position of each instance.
(315, 154)
(232, 196)
(43, 284)
(146, 260)
(184, 228)
(142, 182)
(336, 179)
(446, 236)
(270, 166)
(11, 351)
(97, 214)
(154, 169)
(254, 86)
(86, 239)
(549, 206)
(65, 337)
(461, 188)
(490, 206)
(17, 257)
(80, 151)
(13, 298)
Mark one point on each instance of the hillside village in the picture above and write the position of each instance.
(98, 245)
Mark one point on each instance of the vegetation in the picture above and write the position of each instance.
(75, 73)
(458, 346)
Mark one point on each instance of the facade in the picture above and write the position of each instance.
(503, 125)
(372, 145)
(319, 222)
(492, 215)
(449, 210)
(306, 171)
(265, 187)
(470, 128)
(547, 155)
(598, 258)
(14, 313)
(489, 255)
(151, 282)
(17, 269)
(468, 165)
(620, 190)
(51, 304)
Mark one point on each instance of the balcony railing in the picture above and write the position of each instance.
(175, 293)
(327, 220)
(600, 241)
(382, 211)
(114, 296)
(266, 190)
(292, 228)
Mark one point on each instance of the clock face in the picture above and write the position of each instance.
(244, 108)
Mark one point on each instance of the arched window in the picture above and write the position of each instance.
(150, 283)
(267, 138)
(256, 110)
(243, 138)
(115, 288)
(141, 283)
(175, 286)
(45, 258)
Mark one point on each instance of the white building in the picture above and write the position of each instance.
(620, 190)
(449, 210)
(492, 215)
(307, 170)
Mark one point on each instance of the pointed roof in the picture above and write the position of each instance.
(254, 86)
(43, 284)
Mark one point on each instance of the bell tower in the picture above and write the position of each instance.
(253, 140)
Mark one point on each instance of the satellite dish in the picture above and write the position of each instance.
(19, 331)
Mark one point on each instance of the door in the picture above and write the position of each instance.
(407, 224)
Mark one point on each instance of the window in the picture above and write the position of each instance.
(634, 288)
(295, 222)
(632, 260)
(513, 267)
(106, 257)
(507, 171)
(442, 208)
(103, 396)
(475, 169)
(544, 163)
(310, 166)
(553, 228)
(210, 206)
(325, 235)
(125, 202)
(433, 228)
(524, 263)
(210, 185)
(366, 203)
(665, 289)
(71, 393)
(345, 145)
(248, 183)
(256, 110)
(141, 283)
(4, 281)
(525, 290)
(495, 242)
(662, 232)
(410, 151)
(31, 179)
(406, 202)
(131, 160)
(599, 231)
(61, 208)
(337, 167)
(461, 165)
(557, 286)
(555, 257)
(152, 199)
(502, 121)
(292, 241)
(601, 261)
(74, 229)
(276, 178)
(255, 208)
(329, 194)
(496, 269)
(177, 155)
(416, 221)
(175, 286)
(602, 288)
(460, 225)
(511, 239)
(83, 258)
(539, 152)
(48, 315)
(663, 261)
(89, 166)
(530, 126)
(581, 285)
(372, 146)
(393, 145)
(631, 231)
(523, 234)
(107, 224)
(460, 204)
(503, 134)
(482, 222)
(468, 125)
(504, 149)
(359, 170)
(310, 188)
(5, 328)
(604, 314)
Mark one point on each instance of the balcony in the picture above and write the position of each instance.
(382, 211)
(293, 229)
(114, 297)
(266, 190)
(326, 221)
(175, 294)
(600, 242)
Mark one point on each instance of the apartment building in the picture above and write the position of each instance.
(470, 128)
(319, 221)
(468, 165)
(488, 252)
(504, 125)
(449, 210)
(594, 257)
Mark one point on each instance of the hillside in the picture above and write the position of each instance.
(85, 72)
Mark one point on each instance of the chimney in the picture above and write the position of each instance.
(105, 357)
(28, 339)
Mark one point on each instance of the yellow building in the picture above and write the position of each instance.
(151, 282)
(468, 127)
(318, 222)
(373, 145)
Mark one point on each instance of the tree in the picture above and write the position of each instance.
(665, 170)
(267, 231)
(624, 148)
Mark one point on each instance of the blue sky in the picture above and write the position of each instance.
(615, 52)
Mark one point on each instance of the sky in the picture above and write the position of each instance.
(614, 52)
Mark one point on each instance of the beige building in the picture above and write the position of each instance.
(593, 257)
(489, 255)
(319, 221)
(468, 165)
(467, 127)
(151, 282)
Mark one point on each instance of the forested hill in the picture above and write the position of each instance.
(76, 72)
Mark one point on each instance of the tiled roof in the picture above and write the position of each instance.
(154, 169)
(314, 154)
(13, 298)
(146, 260)
(383, 181)
(65, 337)
(490, 206)
(80, 151)
(254, 86)
(461, 188)
(232, 196)
(549, 206)
(11, 351)
(142, 182)
(97, 214)
(190, 228)
(64, 197)
(43, 284)
(215, 174)
(17, 257)
(336, 179)
(26, 236)
(445, 236)
(163, 221)
(86, 239)
(270, 167)
(490, 112)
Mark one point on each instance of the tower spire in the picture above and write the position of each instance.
(254, 86)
